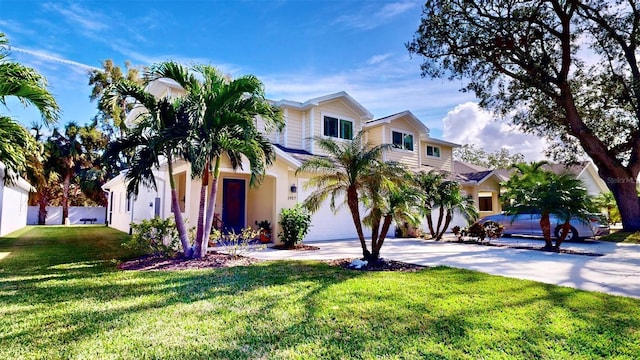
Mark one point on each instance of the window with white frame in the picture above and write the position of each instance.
(433, 151)
(338, 128)
(402, 140)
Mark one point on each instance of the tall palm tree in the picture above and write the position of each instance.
(162, 133)
(225, 113)
(67, 156)
(30, 88)
(346, 172)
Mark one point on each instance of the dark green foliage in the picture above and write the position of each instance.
(295, 223)
(154, 236)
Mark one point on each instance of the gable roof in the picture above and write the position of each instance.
(342, 95)
(419, 125)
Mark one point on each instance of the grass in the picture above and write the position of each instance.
(622, 237)
(61, 296)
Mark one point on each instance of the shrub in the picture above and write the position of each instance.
(237, 244)
(155, 237)
(295, 223)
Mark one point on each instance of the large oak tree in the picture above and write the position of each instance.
(564, 69)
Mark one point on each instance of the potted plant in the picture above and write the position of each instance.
(265, 231)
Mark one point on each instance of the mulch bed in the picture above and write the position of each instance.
(212, 260)
(382, 265)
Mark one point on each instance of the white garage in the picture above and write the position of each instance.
(327, 225)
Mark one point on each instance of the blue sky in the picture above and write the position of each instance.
(299, 49)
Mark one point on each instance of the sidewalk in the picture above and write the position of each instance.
(617, 272)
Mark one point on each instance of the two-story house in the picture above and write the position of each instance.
(335, 115)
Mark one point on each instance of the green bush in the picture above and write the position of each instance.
(295, 223)
(155, 237)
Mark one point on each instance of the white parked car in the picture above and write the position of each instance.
(529, 224)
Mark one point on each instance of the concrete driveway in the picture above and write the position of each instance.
(617, 272)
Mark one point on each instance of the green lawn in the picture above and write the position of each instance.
(62, 297)
(622, 237)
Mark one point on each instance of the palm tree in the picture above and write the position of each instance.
(533, 188)
(161, 133)
(346, 172)
(31, 89)
(436, 192)
(225, 114)
(40, 175)
(427, 184)
(390, 198)
(66, 156)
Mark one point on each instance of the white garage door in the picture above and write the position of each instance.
(325, 224)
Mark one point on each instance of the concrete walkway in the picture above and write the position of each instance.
(617, 272)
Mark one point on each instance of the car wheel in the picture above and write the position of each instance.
(492, 228)
(571, 236)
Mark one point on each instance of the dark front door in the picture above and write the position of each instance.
(233, 199)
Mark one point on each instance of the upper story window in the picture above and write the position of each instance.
(338, 128)
(402, 140)
(433, 151)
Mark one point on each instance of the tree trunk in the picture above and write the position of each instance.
(563, 234)
(625, 193)
(430, 225)
(177, 214)
(352, 202)
(65, 197)
(211, 206)
(545, 225)
(447, 221)
(200, 225)
(42, 209)
(375, 233)
(381, 237)
(440, 216)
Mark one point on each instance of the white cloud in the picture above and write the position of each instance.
(468, 124)
(368, 18)
(75, 14)
(378, 58)
(47, 56)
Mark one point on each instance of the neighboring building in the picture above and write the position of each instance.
(13, 203)
(335, 115)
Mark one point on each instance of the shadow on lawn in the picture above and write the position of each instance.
(299, 309)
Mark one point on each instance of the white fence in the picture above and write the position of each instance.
(54, 215)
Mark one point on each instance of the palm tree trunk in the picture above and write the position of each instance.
(177, 213)
(447, 221)
(375, 233)
(201, 207)
(386, 224)
(545, 225)
(440, 217)
(430, 225)
(65, 197)
(563, 234)
(211, 206)
(42, 209)
(352, 202)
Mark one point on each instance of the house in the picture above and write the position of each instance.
(335, 115)
(13, 203)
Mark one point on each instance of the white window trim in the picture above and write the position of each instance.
(435, 147)
(403, 132)
(339, 117)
